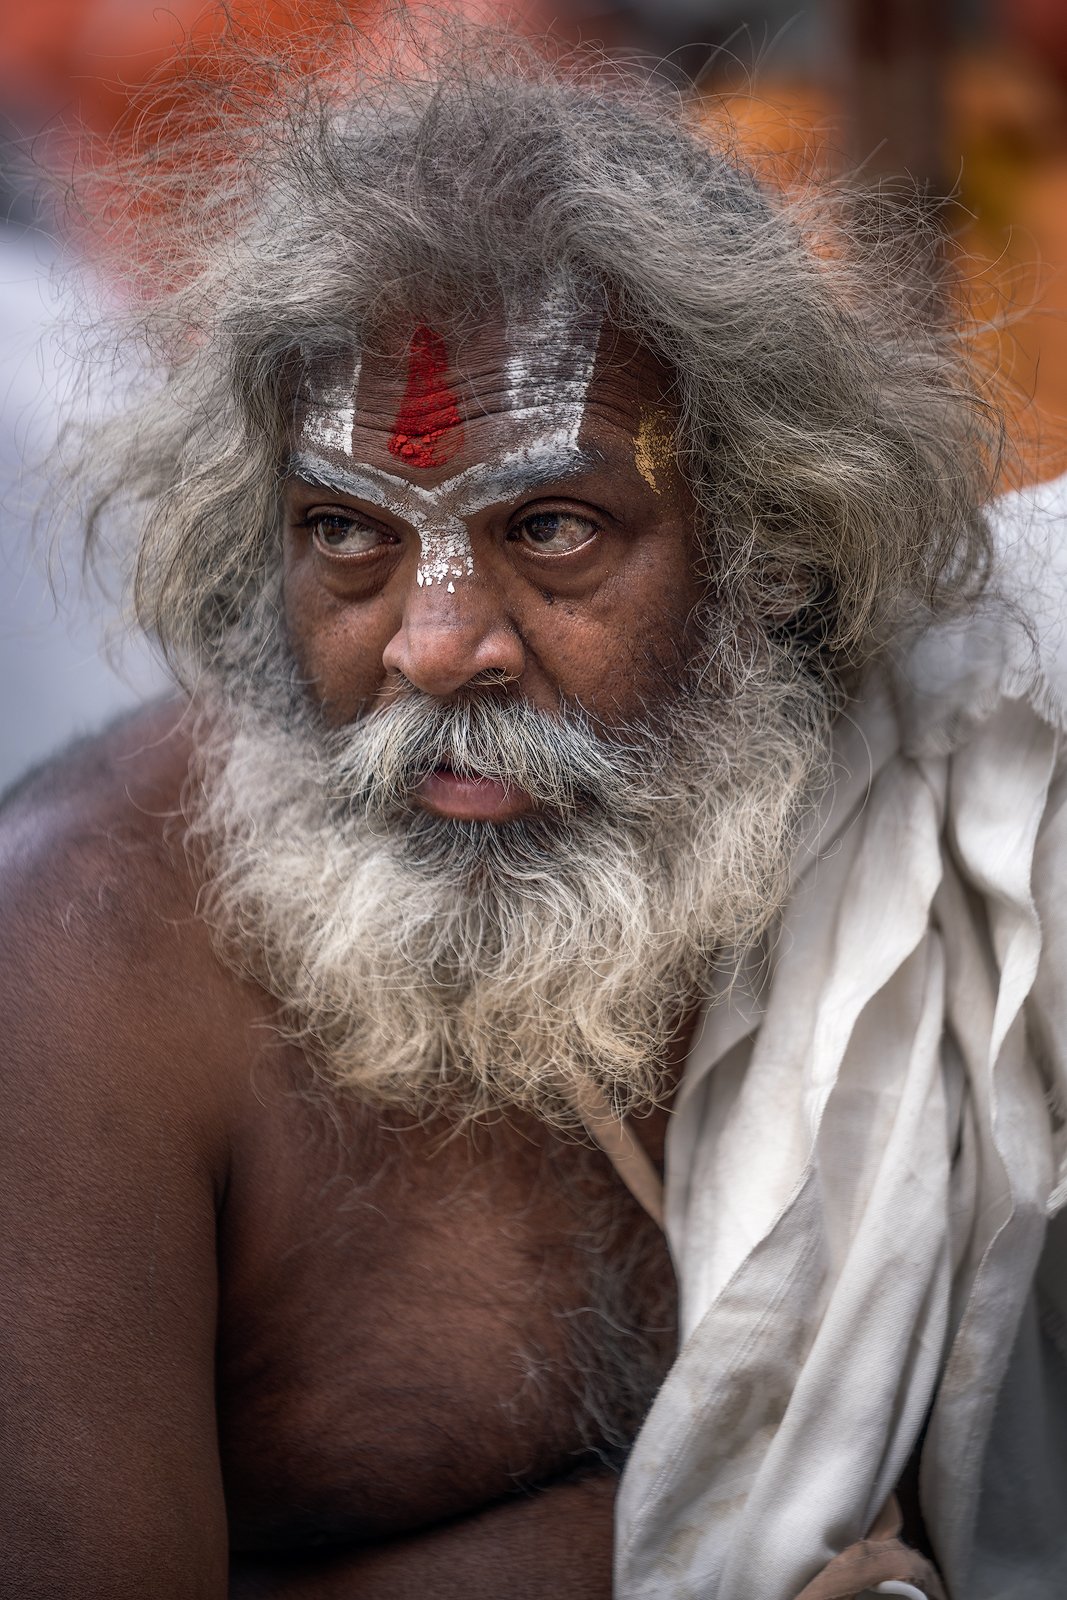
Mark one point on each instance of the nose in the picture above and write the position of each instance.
(447, 638)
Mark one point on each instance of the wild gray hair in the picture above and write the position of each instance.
(838, 449)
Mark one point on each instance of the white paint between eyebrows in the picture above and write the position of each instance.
(331, 416)
(445, 554)
(437, 515)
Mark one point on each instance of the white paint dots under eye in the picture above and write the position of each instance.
(445, 553)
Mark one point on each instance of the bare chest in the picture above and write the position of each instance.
(413, 1326)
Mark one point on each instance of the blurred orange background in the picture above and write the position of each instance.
(966, 97)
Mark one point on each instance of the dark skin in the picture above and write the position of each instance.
(257, 1339)
(577, 594)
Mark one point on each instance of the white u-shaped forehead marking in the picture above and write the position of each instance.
(549, 370)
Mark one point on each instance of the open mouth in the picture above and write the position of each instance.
(470, 798)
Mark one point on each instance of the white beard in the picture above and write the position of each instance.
(428, 962)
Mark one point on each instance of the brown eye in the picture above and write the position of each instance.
(340, 534)
(553, 533)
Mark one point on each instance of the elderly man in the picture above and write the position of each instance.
(590, 740)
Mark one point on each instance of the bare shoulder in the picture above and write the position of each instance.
(98, 915)
(102, 812)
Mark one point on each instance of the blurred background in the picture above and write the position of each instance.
(968, 98)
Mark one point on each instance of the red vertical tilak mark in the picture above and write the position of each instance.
(427, 431)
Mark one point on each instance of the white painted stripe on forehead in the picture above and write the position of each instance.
(551, 359)
(331, 415)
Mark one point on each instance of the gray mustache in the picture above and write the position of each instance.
(376, 764)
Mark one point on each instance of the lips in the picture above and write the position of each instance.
(471, 799)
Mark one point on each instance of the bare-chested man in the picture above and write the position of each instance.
(521, 503)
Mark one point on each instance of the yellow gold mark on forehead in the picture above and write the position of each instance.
(654, 448)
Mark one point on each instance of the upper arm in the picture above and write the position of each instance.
(110, 1484)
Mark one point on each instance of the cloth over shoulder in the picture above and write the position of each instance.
(869, 1154)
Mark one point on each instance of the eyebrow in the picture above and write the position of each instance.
(484, 484)
(361, 483)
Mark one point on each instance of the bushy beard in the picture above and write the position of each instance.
(541, 962)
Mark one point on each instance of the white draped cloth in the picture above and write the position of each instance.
(868, 1153)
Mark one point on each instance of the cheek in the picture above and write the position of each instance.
(336, 645)
(625, 651)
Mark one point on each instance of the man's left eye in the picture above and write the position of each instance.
(553, 533)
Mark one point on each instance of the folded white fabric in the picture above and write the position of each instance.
(869, 1144)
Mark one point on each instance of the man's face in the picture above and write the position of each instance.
(507, 511)
(536, 785)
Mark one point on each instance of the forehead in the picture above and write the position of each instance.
(423, 401)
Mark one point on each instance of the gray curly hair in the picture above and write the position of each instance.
(836, 442)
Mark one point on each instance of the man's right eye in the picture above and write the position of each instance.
(343, 534)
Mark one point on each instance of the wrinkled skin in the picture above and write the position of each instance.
(582, 587)
(258, 1340)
